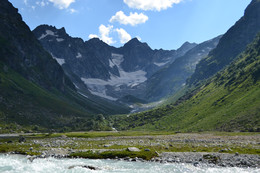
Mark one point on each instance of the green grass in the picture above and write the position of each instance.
(21, 148)
(95, 134)
(146, 155)
(25, 104)
(229, 101)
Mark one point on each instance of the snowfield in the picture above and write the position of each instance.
(97, 86)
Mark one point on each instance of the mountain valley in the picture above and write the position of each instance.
(50, 80)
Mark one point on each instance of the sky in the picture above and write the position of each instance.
(163, 24)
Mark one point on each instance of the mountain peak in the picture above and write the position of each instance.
(188, 44)
(94, 40)
(43, 28)
(135, 42)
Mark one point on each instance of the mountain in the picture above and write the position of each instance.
(229, 101)
(22, 52)
(106, 71)
(172, 78)
(230, 45)
(34, 90)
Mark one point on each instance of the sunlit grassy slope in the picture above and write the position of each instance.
(229, 101)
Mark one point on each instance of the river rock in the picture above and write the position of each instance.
(85, 166)
(133, 149)
(22, 139)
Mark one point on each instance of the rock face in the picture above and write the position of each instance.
(133, 149)
(106, 71)
(233, 42)
(22, 52)
(171, 78)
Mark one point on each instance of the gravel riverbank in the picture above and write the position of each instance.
(196, 149)
(212, 159)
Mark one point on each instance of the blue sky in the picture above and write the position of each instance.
(163, 24)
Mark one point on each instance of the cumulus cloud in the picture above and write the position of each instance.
(92, 36)
(104, 32)
(133, 19)
(123, 35)
(61, 4)
(155, 5)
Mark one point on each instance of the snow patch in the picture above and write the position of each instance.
(48, 32)
(76, 86)
(98, 86)
(111, 64)
(59, 39)
(117, 59)
(160, 64)
(59, 60)
(125, 78)
(79, 55)
(82, 94)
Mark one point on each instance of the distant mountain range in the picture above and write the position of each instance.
(114, 73)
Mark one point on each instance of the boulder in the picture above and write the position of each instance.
(85, 166)
(22, 139)
(133, 149)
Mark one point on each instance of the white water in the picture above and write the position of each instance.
(20, 164)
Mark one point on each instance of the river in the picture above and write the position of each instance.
(21, 164)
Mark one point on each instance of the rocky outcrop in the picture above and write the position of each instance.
(21, 51)
(170, 79)
(233, 42)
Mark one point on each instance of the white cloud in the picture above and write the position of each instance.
(155, 5)
(61, 4)
(25, 2)
(133, 19)
(139, 38)
(92, 36)
(123, 35)
(104, 32)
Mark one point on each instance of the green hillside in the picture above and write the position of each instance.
(24, 105)
(229, 101)
(233, 42)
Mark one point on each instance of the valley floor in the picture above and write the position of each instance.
(213, 148)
